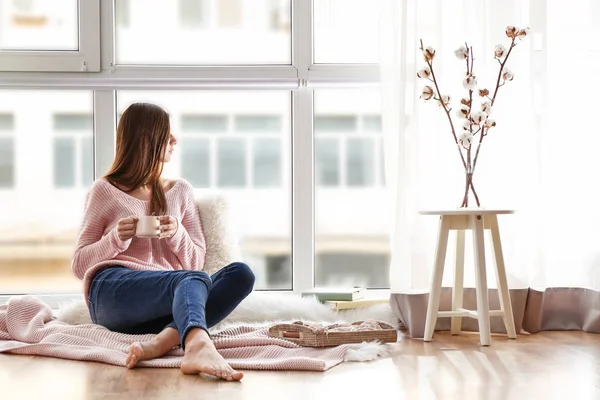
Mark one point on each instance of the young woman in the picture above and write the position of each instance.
(139, 285)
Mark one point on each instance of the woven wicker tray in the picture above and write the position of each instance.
(317, 335)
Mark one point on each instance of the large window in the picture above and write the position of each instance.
(252, 90)
(238, 143)
(46, 164)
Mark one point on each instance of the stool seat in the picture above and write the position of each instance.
(477, 220)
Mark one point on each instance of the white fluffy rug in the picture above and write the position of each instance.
(261, 308)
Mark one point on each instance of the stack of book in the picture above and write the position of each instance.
(343, 298)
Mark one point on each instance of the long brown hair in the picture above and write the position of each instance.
(142, 136)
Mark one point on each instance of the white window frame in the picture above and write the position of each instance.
(301, 78)
(85, 59)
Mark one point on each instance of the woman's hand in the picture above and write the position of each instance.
(126, 228)
(168, 226)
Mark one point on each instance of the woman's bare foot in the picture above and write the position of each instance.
(201, 356)
(139, 351)
(161, 344)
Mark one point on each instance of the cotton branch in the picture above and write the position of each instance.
(481, 118)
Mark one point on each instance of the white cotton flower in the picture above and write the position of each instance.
(429, 54)
(523, 33)
(486, 107)
(477, 117)
(470, 82)
(462, 53)
(427, 93)
(489, 123)
(424, 72)
(508, 75)
(446, 99)
(463, 111)
(499, 51)
(465, 140)
(511, 31)
(466, 125)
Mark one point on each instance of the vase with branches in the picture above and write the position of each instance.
(474, 111)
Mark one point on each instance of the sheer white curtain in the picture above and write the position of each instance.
(540, 159)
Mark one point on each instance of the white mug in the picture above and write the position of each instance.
(147, 227)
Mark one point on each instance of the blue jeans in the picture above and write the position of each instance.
(139, 302)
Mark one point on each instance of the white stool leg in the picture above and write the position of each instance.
(436, 281)
(459, 271)
(483, 309)
(503, 293)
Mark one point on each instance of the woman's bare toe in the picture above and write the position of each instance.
(136, 353)
(236, 375)
(205, 359)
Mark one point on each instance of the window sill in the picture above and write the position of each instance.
(55, 300)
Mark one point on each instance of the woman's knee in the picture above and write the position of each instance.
(243, 273)
(200, 276)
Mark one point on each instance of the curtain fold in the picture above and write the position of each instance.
(541, 158)
(411, 310)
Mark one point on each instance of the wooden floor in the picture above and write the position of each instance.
(548, 365)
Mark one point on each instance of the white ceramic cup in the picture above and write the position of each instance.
(147, 227)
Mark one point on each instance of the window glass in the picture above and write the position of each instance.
(46, 170)
(360, 162)
(258, 123)
(237, 143)
(192, 13)
(64, 162)
(203, 32)
(335, 123)
(195, 161)
(351, 218)
(231, 161)
(267, 162)
(327, 161)
(204, 123)
(346, 31)
(35, 25)
(7, 162)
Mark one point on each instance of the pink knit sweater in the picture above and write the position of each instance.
(99, 244)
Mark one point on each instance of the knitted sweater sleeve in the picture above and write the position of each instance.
(188, 243)
(92, 245)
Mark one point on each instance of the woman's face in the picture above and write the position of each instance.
(170, 147)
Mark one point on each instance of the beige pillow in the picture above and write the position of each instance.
(221, 244)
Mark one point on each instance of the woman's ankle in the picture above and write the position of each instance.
(158, 346)
(165, 341)
(197, 337)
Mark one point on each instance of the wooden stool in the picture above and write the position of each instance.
(476, 220)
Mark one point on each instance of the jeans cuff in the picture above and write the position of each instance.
(187, 330)
(171, 325)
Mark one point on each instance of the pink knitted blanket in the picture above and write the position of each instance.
(27, 326)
